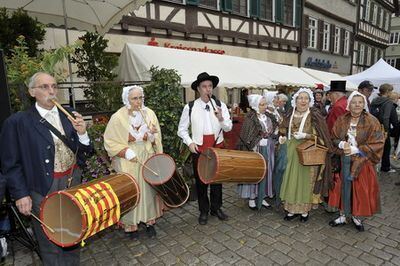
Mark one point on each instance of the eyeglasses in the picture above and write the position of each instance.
(138, 98)
(46, 87)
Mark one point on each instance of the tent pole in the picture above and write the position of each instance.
(71, 88)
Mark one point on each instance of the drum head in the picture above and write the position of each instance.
(207, 165)
(158, 169)
(61, 213)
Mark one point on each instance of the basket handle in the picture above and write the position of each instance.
(315, 140)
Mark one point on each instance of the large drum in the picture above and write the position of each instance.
(160, 172)
(80, 212)
(231, 166)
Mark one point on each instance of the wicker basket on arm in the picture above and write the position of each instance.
(311, 153)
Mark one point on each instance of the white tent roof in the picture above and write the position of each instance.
(326, 77)
(381, 72)
(136, 60)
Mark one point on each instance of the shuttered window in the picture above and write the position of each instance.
(266, 9)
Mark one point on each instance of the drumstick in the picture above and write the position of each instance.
(62, 109)
(144, 118)
(145, 166)
(40, 221)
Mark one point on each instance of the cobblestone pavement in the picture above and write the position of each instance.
(249, 238)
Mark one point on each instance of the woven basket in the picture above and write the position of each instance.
(311, 153)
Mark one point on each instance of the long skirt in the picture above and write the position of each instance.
(150, 206)
(364, 198)
(251, 191)
(298, 182)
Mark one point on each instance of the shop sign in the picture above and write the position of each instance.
(317, 63)
(180, 46)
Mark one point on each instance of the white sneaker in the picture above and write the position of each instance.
(252, 204)
(265, 204)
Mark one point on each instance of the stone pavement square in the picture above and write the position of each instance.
(248, 238)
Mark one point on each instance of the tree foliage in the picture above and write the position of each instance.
(164, 96)
(96, 65)
(19, 23)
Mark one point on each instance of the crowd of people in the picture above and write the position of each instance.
(43, 150)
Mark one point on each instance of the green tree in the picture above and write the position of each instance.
(96, 65)
(19, 23)
(164, 96)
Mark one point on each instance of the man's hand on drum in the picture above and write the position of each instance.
(24, 205)
(193, 148)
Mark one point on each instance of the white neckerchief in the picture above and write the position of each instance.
(303, 121)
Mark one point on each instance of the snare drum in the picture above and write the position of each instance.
(160, 172)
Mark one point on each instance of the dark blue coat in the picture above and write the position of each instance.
(27, 152)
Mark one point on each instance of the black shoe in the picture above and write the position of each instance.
(333, 223)
(359, 227)
(304, 219)
(150, 231)
(203, 218)
(220, 214)
(290, 217)
(253, 208)
(133, 235)
(397, 184)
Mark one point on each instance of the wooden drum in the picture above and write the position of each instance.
(160, 172)
(231, 166)
(79, 212)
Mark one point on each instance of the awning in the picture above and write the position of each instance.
(326, 77)
(136, 60)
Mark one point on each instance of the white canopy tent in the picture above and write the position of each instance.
(326, 77)
(136, 60)
(380, 73)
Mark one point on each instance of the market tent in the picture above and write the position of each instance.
(326, 77)
(381, 72)
(136, 60)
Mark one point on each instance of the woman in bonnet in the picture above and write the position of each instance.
(302, 186)
(257, 135)
(128, 139)
(358, 138)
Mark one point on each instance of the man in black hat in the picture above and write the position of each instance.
(337, 96)
(207, 118)
(366, 88)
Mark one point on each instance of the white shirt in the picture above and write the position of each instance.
(84, 139)
(184, 123)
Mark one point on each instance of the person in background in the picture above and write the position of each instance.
(244, 102)
(338, 99)
(382, 108)
(366, 88)
(319, 99)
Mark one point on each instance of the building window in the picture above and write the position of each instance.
(346, 48)
(266, 9)
(326, 37)
(355, 53)
(381, 18)
(312, 33)
(368, 56)
(367, 10)
(387, 21)
(209, 3)
(288, 12)
(361, 54)
(239, 7)
(336, 48)
(394, 38)
(374, 14)
(391, 61)
(362, 8)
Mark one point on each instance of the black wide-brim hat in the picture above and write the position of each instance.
(338, 85)
(202, 77)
